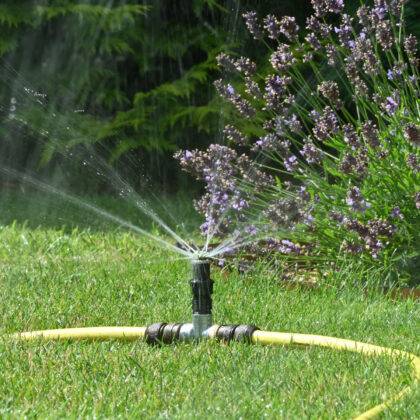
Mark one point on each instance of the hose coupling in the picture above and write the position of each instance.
(236, 332)
(162, 333)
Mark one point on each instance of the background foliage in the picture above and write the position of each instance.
(141, 72)
(132, 78)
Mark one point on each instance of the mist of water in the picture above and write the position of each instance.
(57, 131)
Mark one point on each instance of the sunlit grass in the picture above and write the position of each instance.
(53, 278)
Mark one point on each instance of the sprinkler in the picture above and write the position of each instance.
(202, 327)
(202, 322)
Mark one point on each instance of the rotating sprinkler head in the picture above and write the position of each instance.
(202, 289)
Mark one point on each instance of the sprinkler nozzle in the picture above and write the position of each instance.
(202, 289)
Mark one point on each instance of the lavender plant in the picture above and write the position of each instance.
(323, 143)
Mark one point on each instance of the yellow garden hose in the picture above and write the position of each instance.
(92, 333)
(258, 337)
(268, 337)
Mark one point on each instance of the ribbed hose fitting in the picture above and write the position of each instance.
(162, 333)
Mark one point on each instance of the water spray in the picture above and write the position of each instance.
(202, 327)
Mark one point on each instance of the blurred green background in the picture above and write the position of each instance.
(129, 80)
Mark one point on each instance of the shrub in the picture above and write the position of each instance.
(322, 158)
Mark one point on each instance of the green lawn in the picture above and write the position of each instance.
(51, 278)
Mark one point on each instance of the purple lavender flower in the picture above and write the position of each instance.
(374, 245)
(353, 76)
(275, 89)
(226, 62)
(352, 248)
(311, 153)
(392, 103)
(370, 134)
(413, 162)
(307, 57)
(336, 6)
(363, 13)
(363, 52)
(410, 47)
(286, 212)
(396, 72)
(322, 7)
(417, 200)
(293, 123)
(337, 217)
(326, 124)
(356, 201)
(371, 232)
(384, 35)
(272, 26)
(345, 32)
(242, 65)
(355, 164)
(217, 168)
(313, 41)
(332, 54)
(396, 213)
(353, 225)
(291, 163)
(412, 134)
(245, 65)
(234, 135)
(303, 194)
(271, 143)
(252, 88)
(379, 11)
(251, 230)
(330, 91)
(282, 58)
(289, 28)
(351, 137)
(395, 6)
(252, 24)
(381, 227)
(348, 164)
(238, 202)
(288, 247)
(227, 92)
(313, 24)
